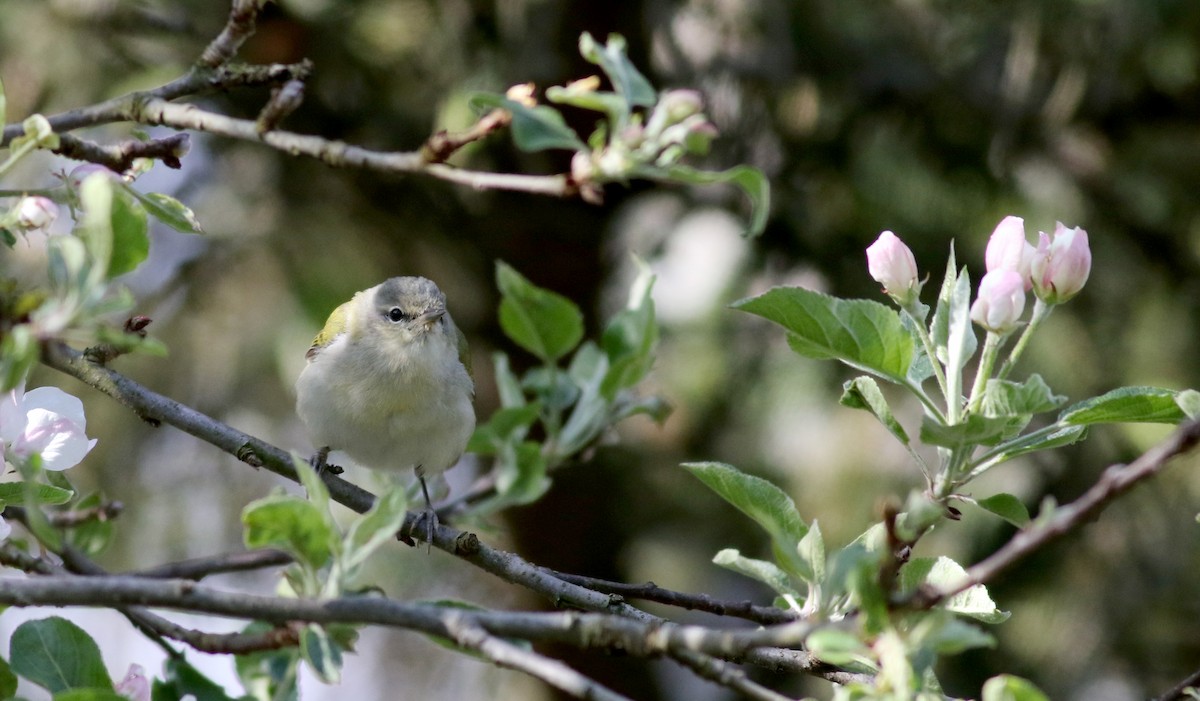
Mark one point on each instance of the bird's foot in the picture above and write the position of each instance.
(320, 464)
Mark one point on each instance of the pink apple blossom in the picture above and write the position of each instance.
(1000, 301)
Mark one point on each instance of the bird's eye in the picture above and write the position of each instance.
(396, 314)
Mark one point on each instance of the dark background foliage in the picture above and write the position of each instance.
(931, 118)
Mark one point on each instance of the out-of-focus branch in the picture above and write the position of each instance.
(443, 144)
(153, 625)
(1116, 480)
(466, 546)
(119, 157)
(238, 28)
(201, 567)
(766, 615)
(1180, 690)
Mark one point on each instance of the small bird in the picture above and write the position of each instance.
(388, 383)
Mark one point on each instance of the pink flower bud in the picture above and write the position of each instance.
(135, 685)
(891, 263)
(1000, 301)
(1061, 267)
(1008, 249)
(76, 177)
(36, 213)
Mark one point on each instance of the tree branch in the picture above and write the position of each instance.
(1115, 481)
(508, 566)
(201, 567)
(120, 156)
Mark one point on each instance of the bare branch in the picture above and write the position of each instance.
(119, 157)
(693, 602)
(550, 671)
(443, 144)
(466, 546)
(1180, 690)
(1116, 480)
(238, 29)
(201, 567)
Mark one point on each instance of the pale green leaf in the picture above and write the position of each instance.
(1004, 398)
(625, 77)
(294, 525)
(1007, 507)
(1126, 405)
(750, 180)
(835, 646)
(1006, 687)
(766, 572)
(374, 528)
(976, 430)
(322, 654)
(542, 322)
(169, 211)
(535, 128)
(864, 393)
(863, 334)
(762, 501)
(944, 573)
(130, 234)
(25, 492)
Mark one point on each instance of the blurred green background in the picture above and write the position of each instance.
(932, 118)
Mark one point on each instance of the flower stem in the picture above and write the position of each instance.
(927, 342)
(987, 360)
(1041, 310)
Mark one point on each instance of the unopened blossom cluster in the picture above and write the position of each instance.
(46, 423)
(1055, 270)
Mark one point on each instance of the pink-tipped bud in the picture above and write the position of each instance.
(1008, 249)
(891, 263)
(1061, 267)
(1000, 301)
(34, 213)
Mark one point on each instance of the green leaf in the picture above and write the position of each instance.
(8, 680)
(1189, 402)
(976, 430)
(314, 487)
(3, 117)
(750, 180)
(95, 227)
(1007, 507)
(613, 105)
(861, 333)
(19, 351)
(181, 679)
(536, 128)
(630, 337)
(953, 336)
(811, 550)
(590, 416)
(321, 653)
(269, 675)
(942, 572)
(169, 211)
(291, 524)
(507, 384)
(94, 535)
(542, 322)
(836, 647)
(507, 425)
(766, 504)
(1004, 398)
(1006, 687)
(131, 240)
(376, 527)
(57, 654)
(626, 79)
(1126, 405)
(521, 478)
(1065, 435)
(19, 492)
(766, 572)
(864, 393)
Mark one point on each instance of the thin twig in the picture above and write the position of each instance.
(238, 28)
(201, 567)
(693, 602)
(1180, 690)
(505, 654)
(444, 144)
(1115, 481)
(119, 157)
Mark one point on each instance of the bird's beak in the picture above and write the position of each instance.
(428, 318)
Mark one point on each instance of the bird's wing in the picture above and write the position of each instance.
(335, 326)
(464, 354)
